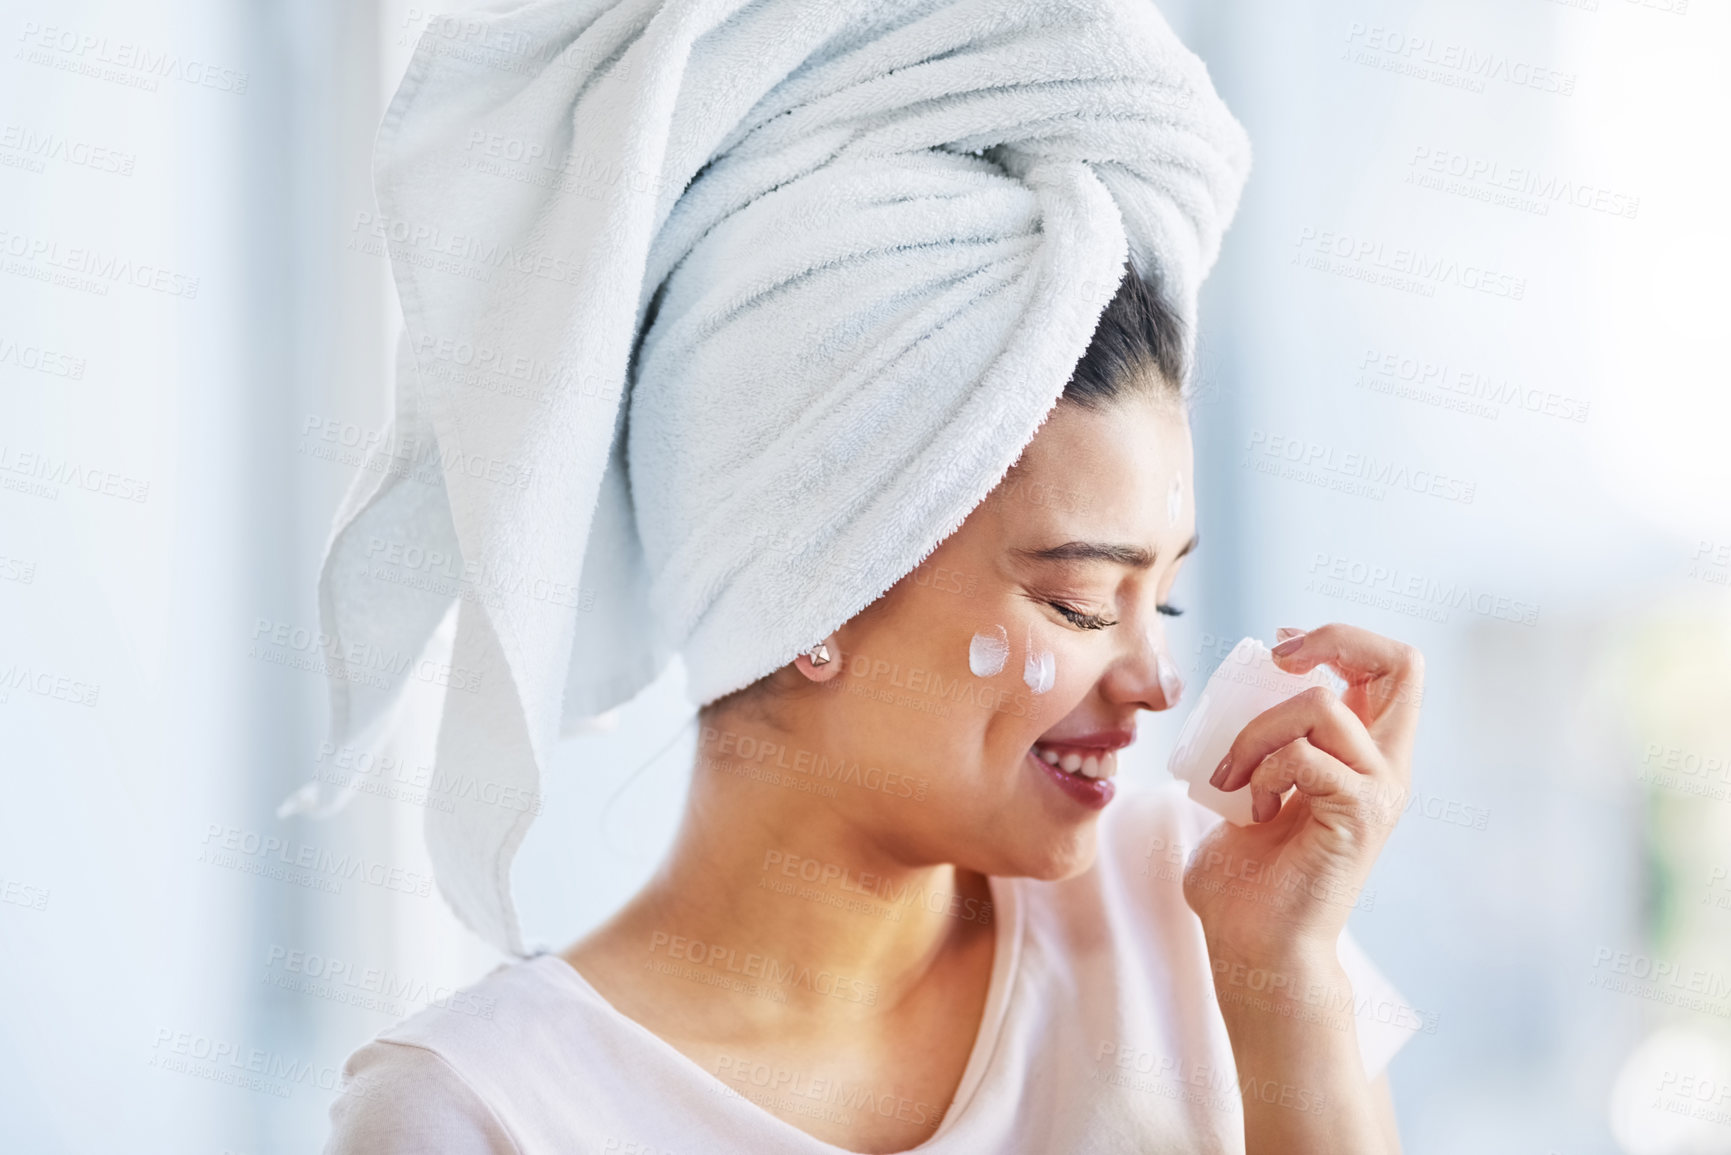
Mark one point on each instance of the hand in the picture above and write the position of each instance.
(1278, 891)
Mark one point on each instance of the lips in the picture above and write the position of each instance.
(1089, 793)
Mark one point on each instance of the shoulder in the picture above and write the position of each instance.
(433, 1081)
(398, 1098)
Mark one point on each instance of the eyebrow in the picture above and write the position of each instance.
(1133, 556)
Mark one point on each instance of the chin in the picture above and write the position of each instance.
(1061, 854)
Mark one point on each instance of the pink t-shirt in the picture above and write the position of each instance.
(1101, 1034)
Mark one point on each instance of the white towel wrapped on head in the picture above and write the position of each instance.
(720, 316)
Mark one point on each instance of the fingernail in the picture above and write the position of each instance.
(1289, 646)
(1171, 685)
(1264, 807)
(1219, 778)
(1285, 632)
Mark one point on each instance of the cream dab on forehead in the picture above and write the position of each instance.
(1174, 500)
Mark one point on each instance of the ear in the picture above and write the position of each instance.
(829, 669)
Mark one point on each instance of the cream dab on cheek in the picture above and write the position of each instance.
(1040, 669)
(987, 651)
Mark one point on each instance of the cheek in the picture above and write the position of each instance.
(1003, 667)
(1028, 673)
(988, 651)
(1039, 664)
(1058, 669)
(1007, 655)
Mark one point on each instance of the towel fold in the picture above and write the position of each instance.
(720, 316)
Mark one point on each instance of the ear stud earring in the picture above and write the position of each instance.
(818, 654)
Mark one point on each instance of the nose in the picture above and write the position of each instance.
(1144, 675)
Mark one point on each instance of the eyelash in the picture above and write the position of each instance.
(1077, 618)
(1095, 622)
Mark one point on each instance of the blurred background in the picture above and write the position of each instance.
(1463, 381)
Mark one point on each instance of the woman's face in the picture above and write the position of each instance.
(1034, 632)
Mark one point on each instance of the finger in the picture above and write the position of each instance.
(1299, 764)
(1358, 654)
(1385, 678)
(1334, 792)
(1315, 715)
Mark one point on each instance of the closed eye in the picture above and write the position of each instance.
(1079, 618)
(1169, 610)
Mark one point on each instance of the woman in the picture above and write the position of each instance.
(904, 909)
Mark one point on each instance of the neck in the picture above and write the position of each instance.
(777, 885)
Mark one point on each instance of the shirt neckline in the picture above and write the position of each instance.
(1007, 916)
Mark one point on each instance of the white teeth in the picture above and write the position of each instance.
(1103, 765)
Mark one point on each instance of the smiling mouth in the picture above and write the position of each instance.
(1081, 762)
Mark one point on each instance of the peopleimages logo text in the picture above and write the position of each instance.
(1400, 266)
(1358, 467)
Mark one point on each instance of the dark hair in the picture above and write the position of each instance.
(1137, 332)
